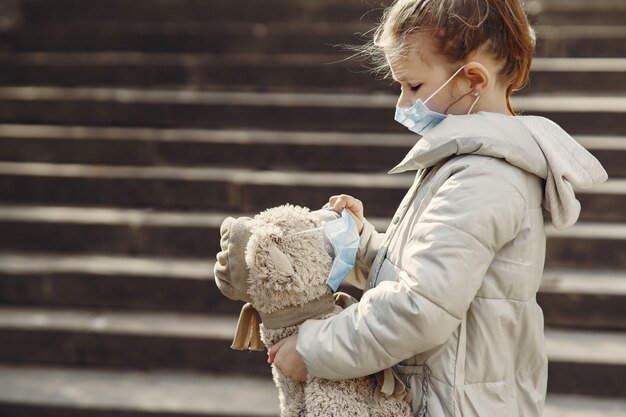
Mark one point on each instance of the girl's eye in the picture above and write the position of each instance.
(415, 88)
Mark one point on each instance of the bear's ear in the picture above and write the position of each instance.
(280, 260)
(283, 265)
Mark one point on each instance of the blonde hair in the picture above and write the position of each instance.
(458, 28)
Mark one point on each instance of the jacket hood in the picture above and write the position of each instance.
(532, 143)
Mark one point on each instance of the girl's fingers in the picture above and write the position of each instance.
(332, 200)
(353, 205)
(350, 203)
(271, 353)
(341, 201)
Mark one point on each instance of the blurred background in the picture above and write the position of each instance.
(129, 129)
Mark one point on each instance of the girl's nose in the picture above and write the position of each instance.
(404, 100)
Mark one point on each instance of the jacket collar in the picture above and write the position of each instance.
(532, 143)
(482, 133)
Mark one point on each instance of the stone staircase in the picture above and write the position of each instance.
(130, 129)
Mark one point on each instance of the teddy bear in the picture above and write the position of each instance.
(278, 263)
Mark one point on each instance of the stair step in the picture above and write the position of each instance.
(256, 149)
(109, 281)
(114, 231)
(280, 111)
(123, 340)
(53, 391)
(232, 189)
(564, 40)
(608, 17)
(599, 245)
(571, 360)
(218, 37)
(568, 40)
(578, 406)
(169, 187)
(612, 15)
(578, 360)
(188, 11)
(537, 6)
(256, 72)
(580, 299)
(184, 11)
(140, 232)
(252, 149)
(157, 270)
(594, 299)
(564, 12)
(64, 230)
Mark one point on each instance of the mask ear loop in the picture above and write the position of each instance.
(457, 100)
(308, 230)
(304, 231)
(477, 94)
(444, 84)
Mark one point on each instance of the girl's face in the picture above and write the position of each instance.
(420, 75)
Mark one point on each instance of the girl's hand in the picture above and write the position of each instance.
(286, 358)
(354, 207)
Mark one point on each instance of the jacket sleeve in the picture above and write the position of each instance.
(473, 213)
(369, 244)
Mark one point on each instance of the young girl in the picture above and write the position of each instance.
(450, 288)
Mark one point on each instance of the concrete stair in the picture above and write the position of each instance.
(569, 40)
(275, 111)
(279, 73)
(196, 234)
(185, 11)
(228, 189)
(189, 108)
(233, 190)
(131, 393)
(130, 130)
(591, 363)
(572, 298)
(253, 149)
(298, 11)
(563, 12)
(564, 28)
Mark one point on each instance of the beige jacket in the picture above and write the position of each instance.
(450, 288)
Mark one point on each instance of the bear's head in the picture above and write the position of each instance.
(286, 257)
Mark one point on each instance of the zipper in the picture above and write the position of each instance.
(423, 410)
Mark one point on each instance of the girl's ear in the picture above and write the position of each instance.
(478, 75)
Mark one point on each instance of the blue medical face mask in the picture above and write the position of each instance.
(343, 235)
(419, 118)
